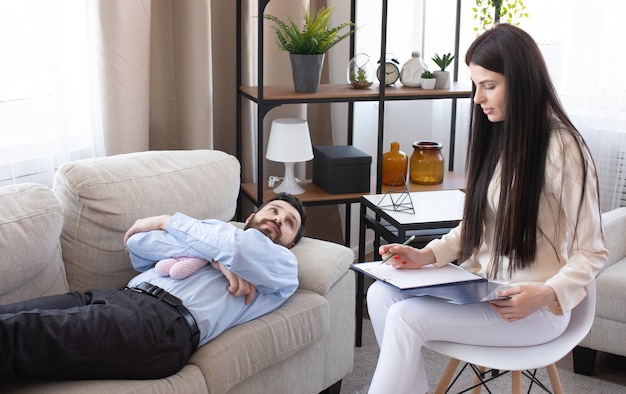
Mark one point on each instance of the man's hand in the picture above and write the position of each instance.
(147, 224)
(238, 286)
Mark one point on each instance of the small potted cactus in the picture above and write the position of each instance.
(428, 80)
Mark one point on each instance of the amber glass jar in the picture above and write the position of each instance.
(395, 163)
(427, 163)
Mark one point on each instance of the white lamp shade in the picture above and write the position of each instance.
(289, 141)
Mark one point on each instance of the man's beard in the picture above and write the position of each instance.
(260, 225)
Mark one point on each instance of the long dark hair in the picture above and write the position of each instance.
(519, 144)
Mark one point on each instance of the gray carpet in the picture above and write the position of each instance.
(609, 375)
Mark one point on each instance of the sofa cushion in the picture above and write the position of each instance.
(187, 380)
(611, 297)
(244, 350)
(321, 263)
(102, 197)
(30, 224)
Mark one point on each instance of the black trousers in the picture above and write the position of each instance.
(99, 334)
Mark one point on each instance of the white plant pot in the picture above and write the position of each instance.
(428, 83)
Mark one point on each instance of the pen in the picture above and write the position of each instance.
(408, 241)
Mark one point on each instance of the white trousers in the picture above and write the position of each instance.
(403, 323)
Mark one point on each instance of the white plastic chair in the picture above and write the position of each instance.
(517, 359)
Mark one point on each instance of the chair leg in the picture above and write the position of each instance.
(442, 387)
(554, 379)
(478, 381)
(516, 382)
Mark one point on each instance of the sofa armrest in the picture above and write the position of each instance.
(614, 225)
(321, 264)
(30, 225)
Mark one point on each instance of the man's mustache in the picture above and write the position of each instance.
(259, 224)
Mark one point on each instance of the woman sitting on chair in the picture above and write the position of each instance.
(531, 221)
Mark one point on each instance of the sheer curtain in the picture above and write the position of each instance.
(582, 44)
(594, 89)
(48, 112)
(100, 77)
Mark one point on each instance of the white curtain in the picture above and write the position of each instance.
(48, 112)
(100, 77)
(583, 46)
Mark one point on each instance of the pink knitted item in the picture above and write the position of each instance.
(186, 266)
(163, 267)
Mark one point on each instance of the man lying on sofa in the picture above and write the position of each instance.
(144, 331)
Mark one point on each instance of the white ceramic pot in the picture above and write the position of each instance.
(428, 83)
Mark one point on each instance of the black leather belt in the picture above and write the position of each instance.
(173, 301)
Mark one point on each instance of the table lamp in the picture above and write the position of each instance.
(289, 143)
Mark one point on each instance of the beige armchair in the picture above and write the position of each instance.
(608, 332)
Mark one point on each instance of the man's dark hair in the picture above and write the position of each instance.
(297, 204)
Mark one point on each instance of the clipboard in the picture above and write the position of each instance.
(451, 282)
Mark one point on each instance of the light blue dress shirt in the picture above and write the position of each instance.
(250, 254)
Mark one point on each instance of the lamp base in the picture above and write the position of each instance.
(291, 189)
(289, 184)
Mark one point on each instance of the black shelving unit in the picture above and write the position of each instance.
(269, 97)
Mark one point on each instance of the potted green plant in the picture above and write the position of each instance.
(308, 44)
(359, 75)
(428, 80)
(359, 79)
(443, 76)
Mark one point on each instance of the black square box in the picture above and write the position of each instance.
(341, 169)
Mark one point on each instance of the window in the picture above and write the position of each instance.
(47, 111)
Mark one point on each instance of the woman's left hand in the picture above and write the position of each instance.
(524, 301)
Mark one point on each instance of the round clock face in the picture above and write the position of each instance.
(392, 73)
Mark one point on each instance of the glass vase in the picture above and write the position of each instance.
(427, 163)
(395, 163)
(359, 73)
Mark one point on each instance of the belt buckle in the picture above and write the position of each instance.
(174, 302)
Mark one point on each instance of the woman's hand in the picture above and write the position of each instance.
(406, 257)
(524, 301)
(238, 286)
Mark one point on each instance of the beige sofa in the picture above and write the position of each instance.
(608, 332)
(70, 238)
